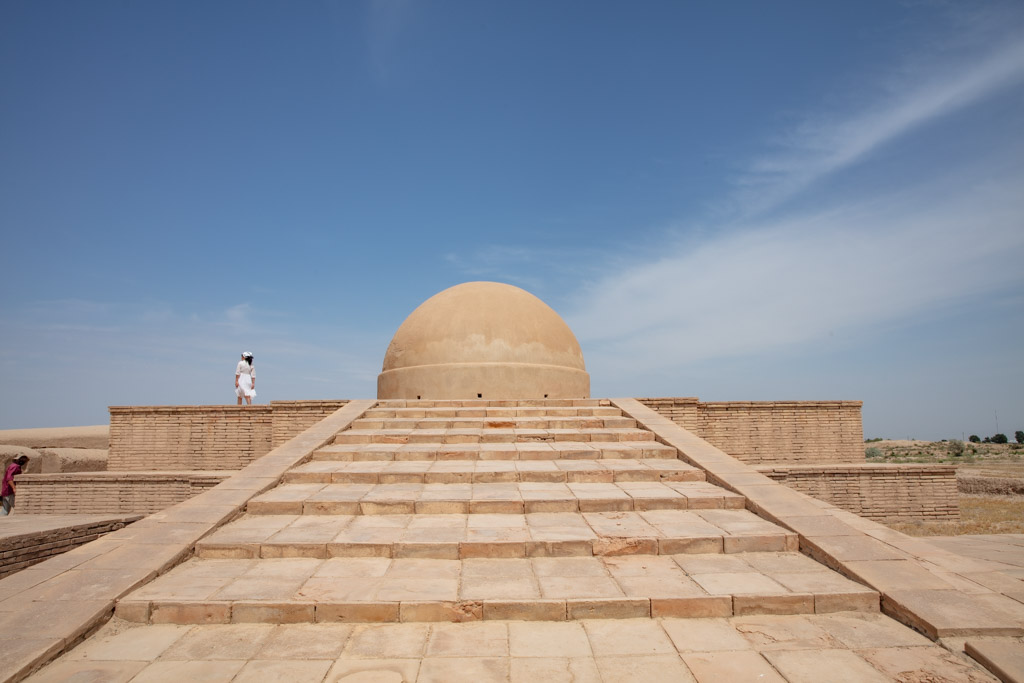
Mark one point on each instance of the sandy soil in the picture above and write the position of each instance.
(96, 436)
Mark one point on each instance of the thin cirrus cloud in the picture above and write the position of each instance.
(821, 146)
(757, 284)
(780, 285)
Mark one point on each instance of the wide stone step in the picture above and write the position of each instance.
(454, 436)
(505, 423)
(444, 404)
(492, 471)
(462, 536)
(504, 498)
(541, 589)
(551, 450)
(483, 412)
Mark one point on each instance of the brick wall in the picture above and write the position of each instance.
(24, 550)
(291, 418)
(109, 492)
(187, 437)
(887, 493)
(167, 438)
(768, 432)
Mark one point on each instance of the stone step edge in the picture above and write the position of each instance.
(512, 477)
(571, 609)
(598, 422)
(565, 450)
(782, 541)
(495, 412)
(494, 403)
(421, 436)
(473, 507)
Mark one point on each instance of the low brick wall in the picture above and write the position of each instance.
(890, 493)
(21, 550)
(109, 492)
(146, 438)
(769, 432)
(187, 437)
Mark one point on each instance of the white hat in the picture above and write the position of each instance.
(246, 354)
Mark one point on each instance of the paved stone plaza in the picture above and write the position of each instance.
(836, 647)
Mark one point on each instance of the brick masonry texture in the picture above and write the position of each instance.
(817, 448)
(110, 492)
(169, 438)
(888, 493)
(769, 432)
(24, 550)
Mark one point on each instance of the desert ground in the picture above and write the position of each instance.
(990, 478)
(57, 449)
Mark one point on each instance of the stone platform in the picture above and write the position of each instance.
(494, 550)
(772, 649)
(581, 582)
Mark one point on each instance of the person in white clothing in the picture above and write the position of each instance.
(245, 379)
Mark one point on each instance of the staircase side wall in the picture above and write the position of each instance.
(291, 418)
(885, 493)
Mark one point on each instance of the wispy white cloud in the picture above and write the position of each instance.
(760, 284)
(825, 143)
(387, 20)
(778, 285)
(238, 315)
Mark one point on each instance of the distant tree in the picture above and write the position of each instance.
(1019, 436)
(955, 447)
(973, 438)
(999, 438)
(987, 439)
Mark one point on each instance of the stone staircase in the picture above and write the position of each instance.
(467, 510)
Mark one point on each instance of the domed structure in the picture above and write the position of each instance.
(483, 340)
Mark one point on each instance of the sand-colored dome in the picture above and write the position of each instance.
(483, 340)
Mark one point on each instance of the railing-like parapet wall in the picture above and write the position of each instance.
(769, 432)
(886, 492)
(208, 438)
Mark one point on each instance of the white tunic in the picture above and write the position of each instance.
(246, 374)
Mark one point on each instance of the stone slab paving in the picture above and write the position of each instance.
(51, 606)
(460, 536)
(486, 435)
(949, 596)
(550, 589)
(1006, 549)
(492, 497)
(532, 450)
(19, 525)
(47, 612)
(532, 422)
(493, 471)
(555, 408)
(836, 647)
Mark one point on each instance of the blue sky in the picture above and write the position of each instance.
(735, 201)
